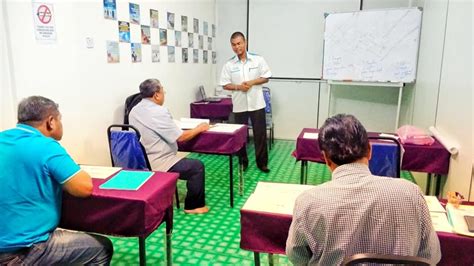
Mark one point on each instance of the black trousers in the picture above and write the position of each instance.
(259, 127)
(193, 172)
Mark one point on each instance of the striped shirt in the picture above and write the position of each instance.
(357, 212)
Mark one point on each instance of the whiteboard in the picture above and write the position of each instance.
(376, 45)
(289, 34)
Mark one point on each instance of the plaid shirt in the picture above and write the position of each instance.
(357, 212)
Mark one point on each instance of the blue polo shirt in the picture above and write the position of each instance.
(32, 170)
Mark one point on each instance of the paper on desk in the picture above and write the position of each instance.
(440, 222)
(225, 128)
(189, 123)
(309, 135)
(100, 172)
(433, 204)
(456, 217)
(274, 197)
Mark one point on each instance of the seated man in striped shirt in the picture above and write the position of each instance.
(357, 212)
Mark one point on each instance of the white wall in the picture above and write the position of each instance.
(454, 113)
(91, 92)
(7, 96)
(231, 17)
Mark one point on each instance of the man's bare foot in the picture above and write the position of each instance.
(197, 210)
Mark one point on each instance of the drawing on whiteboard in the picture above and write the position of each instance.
(375, 45)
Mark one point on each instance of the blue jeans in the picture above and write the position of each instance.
(63, 247)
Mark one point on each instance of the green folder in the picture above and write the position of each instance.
(127, 180)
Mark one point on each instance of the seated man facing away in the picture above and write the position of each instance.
(357, 212)
(159, 135)
(34, 168)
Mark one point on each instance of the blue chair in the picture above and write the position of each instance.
(268, 115)
(126, 151)
(386, 157)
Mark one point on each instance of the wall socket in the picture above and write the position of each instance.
(89, 42)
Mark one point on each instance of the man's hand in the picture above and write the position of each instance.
(246, 85)
(203, 127)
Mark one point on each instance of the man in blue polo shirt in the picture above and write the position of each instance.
(34, 169)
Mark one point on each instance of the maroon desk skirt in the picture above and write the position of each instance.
(428, 159)
(267, 233)
(216, 142)
(122, 212)
(212, 110)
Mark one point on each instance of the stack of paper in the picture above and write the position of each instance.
(438, 215)
(456, 216)
(309, 135)
(100, 172)
(189, 123)
(274, 197)
(225, 128)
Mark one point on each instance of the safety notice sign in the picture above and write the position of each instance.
(43, 16)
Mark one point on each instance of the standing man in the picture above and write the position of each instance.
(357, 212)
(244, 75)
(159, 136)
(34, 170)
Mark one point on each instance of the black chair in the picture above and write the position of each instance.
(130, 102)
(386, 157)
(384, 259)
(126, 150)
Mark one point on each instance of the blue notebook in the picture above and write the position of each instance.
(127, 180)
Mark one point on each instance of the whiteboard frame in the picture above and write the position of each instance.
(370, 10)
(398, 85)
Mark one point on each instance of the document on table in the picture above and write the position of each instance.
(274, 197)
(456, 217)
(438, 215)
(100, 172)
(127, 180)
(189, 123)
(433, 204)
(440, 222)
(309, 135)
(225, 128)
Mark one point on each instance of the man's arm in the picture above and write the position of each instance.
(79, 185)
(253, 82)
(191, 133)
(297, 249)
(237, 87)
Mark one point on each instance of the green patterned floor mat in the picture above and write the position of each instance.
(214, 238)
